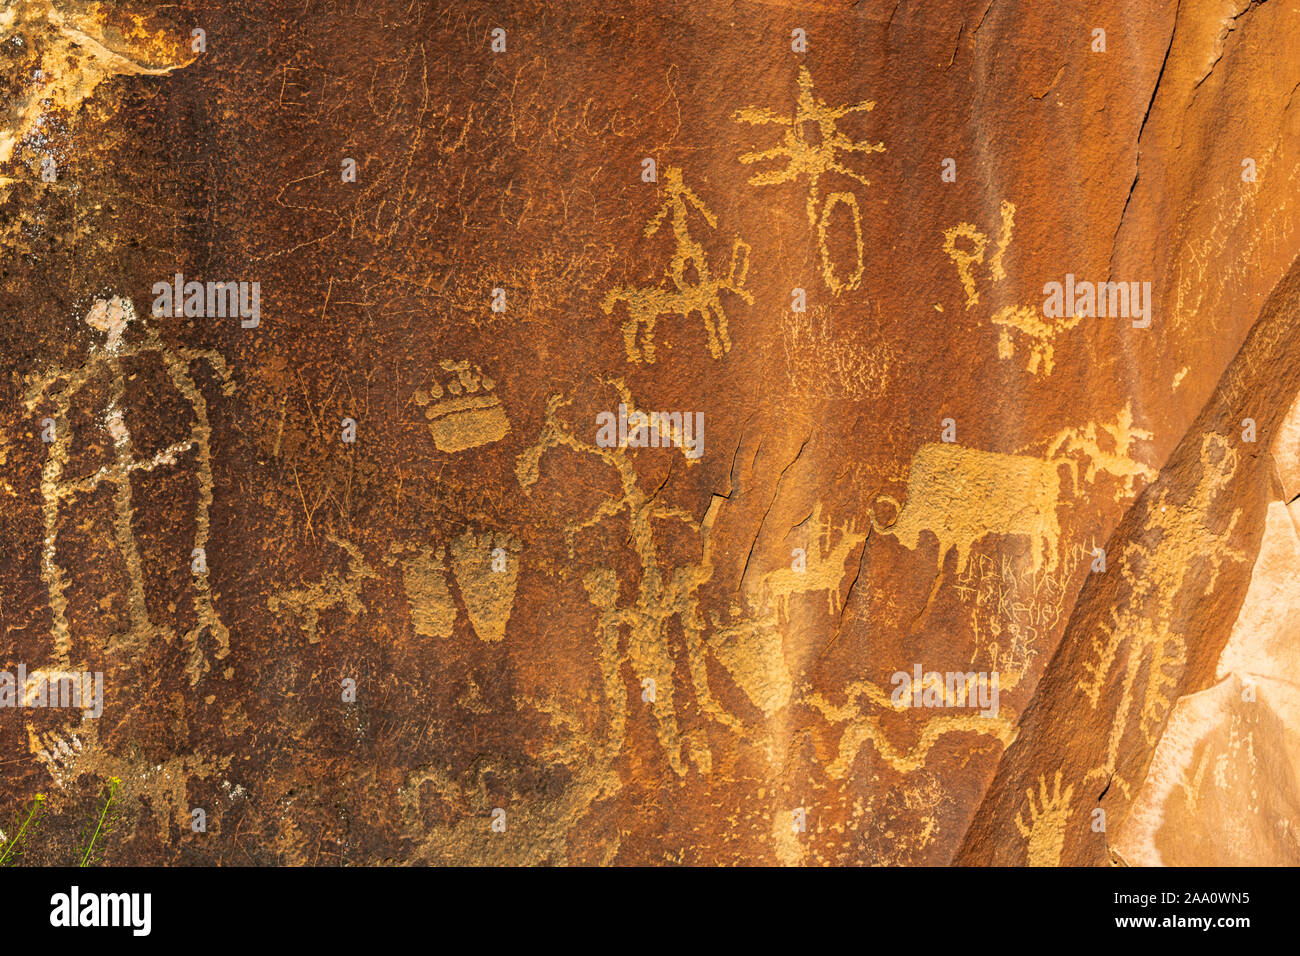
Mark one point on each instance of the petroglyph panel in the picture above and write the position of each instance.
(370, 577)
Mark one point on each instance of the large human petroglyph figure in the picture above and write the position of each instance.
(63, 495)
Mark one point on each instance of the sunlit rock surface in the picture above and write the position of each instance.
(331, 339)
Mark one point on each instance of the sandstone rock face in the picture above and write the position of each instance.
(741, 433)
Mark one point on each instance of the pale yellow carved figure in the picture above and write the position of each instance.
(332, 590)
(961, 494)
(1144, 621)
(684, 297)
(428, 591)
(1029, 321)
(812, 146)
(1118, 462)
(461, 416)
(862, 726)
(661, 597)
(823, 572)
(486, 567)
(113, 317)
(967, 259)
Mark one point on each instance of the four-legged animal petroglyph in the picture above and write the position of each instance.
(332, 590)
(1118, 463)
(961, 494)
(684, 296)
(823, 571)
(1029, 321)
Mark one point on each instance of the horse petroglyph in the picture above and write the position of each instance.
(645, 305)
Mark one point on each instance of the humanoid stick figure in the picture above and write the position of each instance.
(689, 250)
(112, 317)
(645, 305)
(638, 634)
